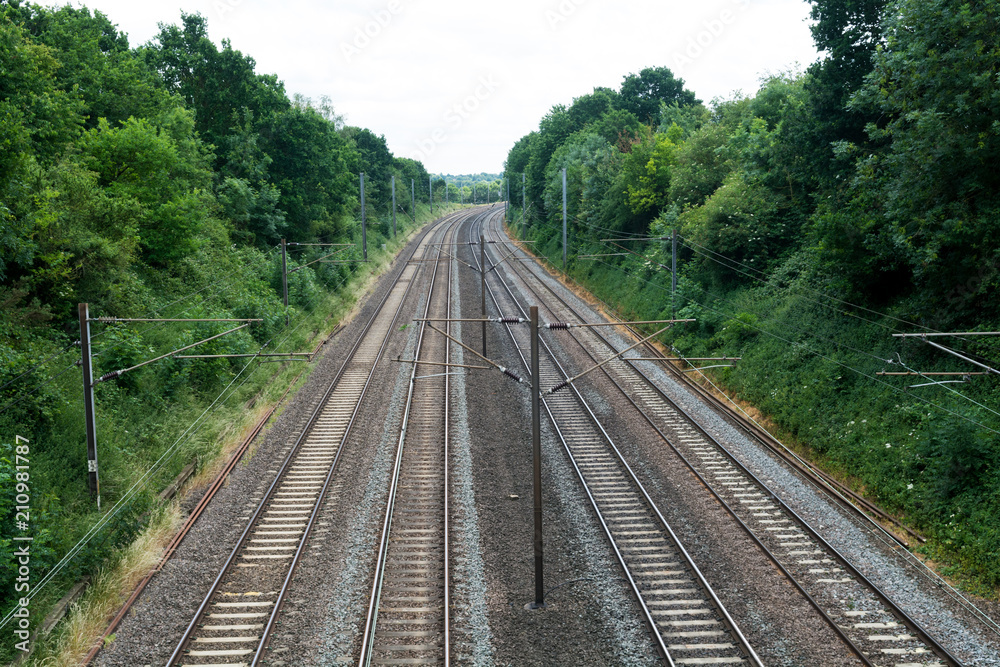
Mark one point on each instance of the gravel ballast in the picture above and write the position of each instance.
(907, 582)
(591, 616)
(780, 624)
(155, 623)
(473, 635)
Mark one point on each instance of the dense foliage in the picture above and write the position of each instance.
(816, 218)
(153, 182)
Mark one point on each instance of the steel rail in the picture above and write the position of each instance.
(705, 482)
(727, 620)
(196, 513)
(378, 357)
(840, 492)
(178, 537)
(859, 508)
(227, 565)
(378, 580)
(837, 490)
(911, 625)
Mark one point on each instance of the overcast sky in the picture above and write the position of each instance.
(455, 84)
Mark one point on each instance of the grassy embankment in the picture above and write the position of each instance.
(809, 366)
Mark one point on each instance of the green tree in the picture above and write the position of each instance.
(410, 172)
(702, 164)
(314, 167)
(96, 64)
(219, 86)
(37, 121)
(376, 160)
(652, 163)
(36, 116)
(642, 94)
(164, 170)
(554, 129)
(934, 186)
(847, 33)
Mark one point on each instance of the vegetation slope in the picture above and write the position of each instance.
(817, 218)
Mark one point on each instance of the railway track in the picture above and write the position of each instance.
(408, 619)
(870, 623)
(688, 622)
(233, 623)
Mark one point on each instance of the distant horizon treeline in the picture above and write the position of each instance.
(831, 209)
(463, 187)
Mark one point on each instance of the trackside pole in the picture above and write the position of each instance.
(364, 225)
(413, 199)
(393, 206)
(536, 453)
(564, 219)
(88, 404)
(284, 277)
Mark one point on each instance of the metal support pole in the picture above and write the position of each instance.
(284, 277)
(430, 184)
(446, 192)
(564, 219)
(673, 275)
(506, 203)
(413, 199)
(88, 404)
(524, 207)
(364, 225)
(394, 207)
(482, 265)
(536, 453)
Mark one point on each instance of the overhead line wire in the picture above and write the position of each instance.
(689, 242)
(120, 505)
(839, 363)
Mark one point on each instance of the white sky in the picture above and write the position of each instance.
(502, 65)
